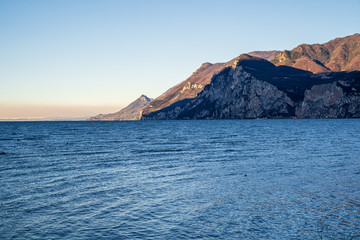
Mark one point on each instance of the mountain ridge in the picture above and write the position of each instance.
(268, 55)
(128, 113)
(255, 88)
(339, 54)
(194, 84)
(299, 65)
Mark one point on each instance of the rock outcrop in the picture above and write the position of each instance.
(339, 99)
(254, 88)
(132, 112)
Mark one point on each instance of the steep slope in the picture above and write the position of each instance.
(131, 112)
(254, 88)
(340, 54)
(188, 88)
(196, 83)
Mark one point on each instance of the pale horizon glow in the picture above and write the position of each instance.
(65, 58)
(39, 111)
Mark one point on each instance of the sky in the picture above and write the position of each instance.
(78, 58)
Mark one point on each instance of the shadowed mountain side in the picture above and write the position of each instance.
(131, 112)
(254, 88)
(340, 54)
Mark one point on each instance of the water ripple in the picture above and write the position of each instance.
(248, 179)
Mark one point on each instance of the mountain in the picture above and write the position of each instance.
(292, 74)
(268, 55)
(340, 54)
(131, 112)
(255, 88)
(188, 88)
(193, 85)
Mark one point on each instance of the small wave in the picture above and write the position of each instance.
(156, 150)
(33, 138)
(79, 153)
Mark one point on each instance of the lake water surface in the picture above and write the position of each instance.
(220, 179)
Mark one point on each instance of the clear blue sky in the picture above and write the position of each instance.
(81, 57)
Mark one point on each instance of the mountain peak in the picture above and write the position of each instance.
(246, 58)
(130, 112)
(206, 64)
(144, 98)
(240, 58)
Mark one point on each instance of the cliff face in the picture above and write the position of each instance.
(196, 82)
(251, 87)
(188, 88)
(339, 99)
(340, 54)
(131, 112)
(255, 88)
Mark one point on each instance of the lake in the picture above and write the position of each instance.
(208, 179)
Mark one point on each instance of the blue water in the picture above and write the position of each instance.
(227, 179)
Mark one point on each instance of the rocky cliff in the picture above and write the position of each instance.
(340, 99)
(190, 87)
(254, 88)
(131, 112)
(341, 54)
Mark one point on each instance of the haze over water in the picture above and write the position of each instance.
(229, 179)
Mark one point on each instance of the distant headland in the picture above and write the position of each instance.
(309, 81)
